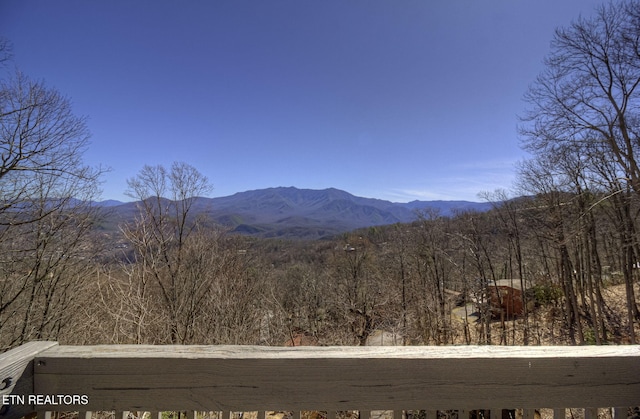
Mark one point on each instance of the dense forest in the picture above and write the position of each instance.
(567, 235)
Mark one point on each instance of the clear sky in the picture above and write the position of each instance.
(398, 100)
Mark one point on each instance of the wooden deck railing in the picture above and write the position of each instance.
(42, 376)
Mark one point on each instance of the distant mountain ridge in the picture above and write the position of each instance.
(307, 213)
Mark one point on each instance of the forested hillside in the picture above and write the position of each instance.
(567, 238)
(191, 283)
(289, 212)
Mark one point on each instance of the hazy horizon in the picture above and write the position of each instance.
(129, 200)
(395, 101)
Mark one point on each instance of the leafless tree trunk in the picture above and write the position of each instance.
(163, 235)
(45, 210)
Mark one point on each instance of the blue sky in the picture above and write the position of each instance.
(398, 100)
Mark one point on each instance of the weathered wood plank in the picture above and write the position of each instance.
(367, 352)
(619, 412)
(16, 379)
(340, 378)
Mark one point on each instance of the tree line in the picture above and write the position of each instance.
(567, 235)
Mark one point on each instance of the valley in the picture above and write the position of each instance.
(288, 212)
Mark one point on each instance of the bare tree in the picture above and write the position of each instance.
(164, 235)
(5, 50)
(45, 210)
(584, 111)
(358, 294)
(588, 92)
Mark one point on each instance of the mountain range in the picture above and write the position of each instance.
(302, 213)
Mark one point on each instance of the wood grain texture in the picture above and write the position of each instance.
(251, 378)
(399, 352)
(16, 377)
